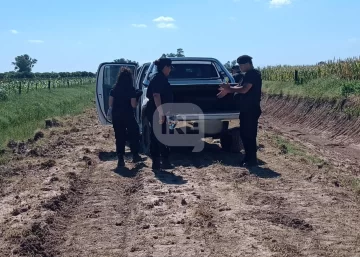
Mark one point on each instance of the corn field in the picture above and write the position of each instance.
(21, 86)
(348, 69)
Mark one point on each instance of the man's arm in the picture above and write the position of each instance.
(132, 95)
(111, 101)
(157, 89)
(157, 100)
(249, 80)
(240, 89)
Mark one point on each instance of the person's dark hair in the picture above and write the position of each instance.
(244, 59)
(124, 78)
(162, 62)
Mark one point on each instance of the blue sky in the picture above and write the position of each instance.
(78, 35)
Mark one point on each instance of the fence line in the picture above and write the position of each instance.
(21, 86)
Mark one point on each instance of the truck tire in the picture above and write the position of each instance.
(145, 137)
(230, 140)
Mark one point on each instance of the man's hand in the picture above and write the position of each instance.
(224, 90)
(225, 85)
(161, 117)
(109, 114)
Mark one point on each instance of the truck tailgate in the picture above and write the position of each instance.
(204, 97)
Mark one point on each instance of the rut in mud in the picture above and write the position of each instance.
(61, 196)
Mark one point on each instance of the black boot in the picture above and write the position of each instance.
(156, 165)
(251, 161)
(244, 160)
(121, 162)
(136, 158)
(166, 164)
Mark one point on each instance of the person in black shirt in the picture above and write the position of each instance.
(122, 101)
(249, 97)
(159, 92)
(236, 73)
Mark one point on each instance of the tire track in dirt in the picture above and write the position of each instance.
(206, 206)
(43, 186)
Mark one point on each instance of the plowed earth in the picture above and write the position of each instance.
(61, 196)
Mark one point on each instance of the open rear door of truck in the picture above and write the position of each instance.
(106, 78)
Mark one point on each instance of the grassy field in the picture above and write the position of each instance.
(324, 88)
(22, 115)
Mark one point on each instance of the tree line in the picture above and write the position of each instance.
(45, 75)
(24, 64)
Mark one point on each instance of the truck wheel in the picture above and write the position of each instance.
(230, 140)
(145, 138)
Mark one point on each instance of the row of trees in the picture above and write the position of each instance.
(24, 64)
(23, 70)
(45, 75)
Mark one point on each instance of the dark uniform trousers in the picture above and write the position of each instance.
(126, 129)
(248, 132)
(157, 148)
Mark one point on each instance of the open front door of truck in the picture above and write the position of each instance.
(139, 85)
(106, 78)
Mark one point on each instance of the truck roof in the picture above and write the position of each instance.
(193, 59)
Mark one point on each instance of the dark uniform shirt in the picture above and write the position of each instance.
(159, 84)
(238, 77)
(122, 100)
(251, 100)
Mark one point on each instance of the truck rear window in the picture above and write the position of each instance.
(191, 71)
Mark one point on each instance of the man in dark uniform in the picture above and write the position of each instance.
(159, 92)
(249, 97)
(236, 73)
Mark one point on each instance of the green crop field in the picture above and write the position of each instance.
(332, 79)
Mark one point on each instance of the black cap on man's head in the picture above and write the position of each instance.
(244, 59)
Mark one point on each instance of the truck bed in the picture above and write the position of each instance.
(204, 96)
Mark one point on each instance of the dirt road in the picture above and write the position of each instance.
(60, 196)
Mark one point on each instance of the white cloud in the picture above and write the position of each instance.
(35, 41)
(166, 26)
(278, 3)
(14, 31)
(164, 19)
(139, 25)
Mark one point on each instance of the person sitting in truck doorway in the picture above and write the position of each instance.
(159, 92)
(122, 102)
(249, 104)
